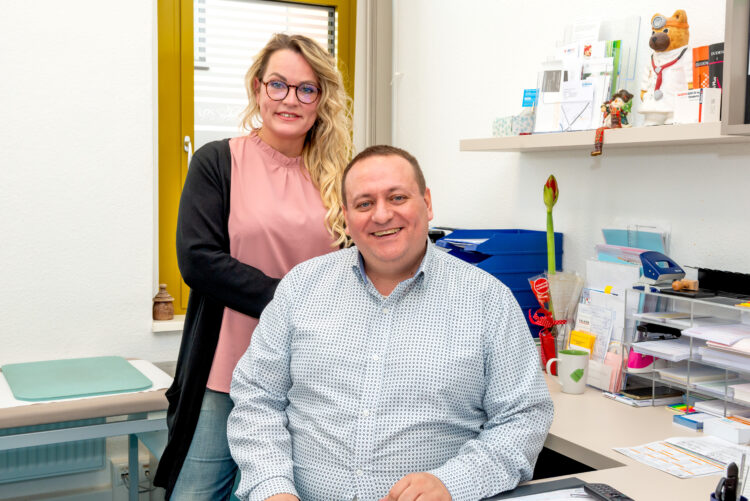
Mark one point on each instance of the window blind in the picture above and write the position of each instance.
(228, 34)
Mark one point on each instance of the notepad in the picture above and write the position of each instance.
(71, 378)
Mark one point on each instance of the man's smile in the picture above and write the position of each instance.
(386, 232)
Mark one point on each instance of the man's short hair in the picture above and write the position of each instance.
(384, 150)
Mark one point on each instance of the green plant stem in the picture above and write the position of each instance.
(551, 268)
(550, 244)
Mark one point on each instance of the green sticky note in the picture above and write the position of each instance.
(576, 375)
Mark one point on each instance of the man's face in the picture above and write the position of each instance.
(386, 216)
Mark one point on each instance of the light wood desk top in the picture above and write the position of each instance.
(586, 427)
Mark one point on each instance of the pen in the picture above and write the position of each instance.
(741, 478)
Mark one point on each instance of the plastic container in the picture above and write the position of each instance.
(495, 242)
(512, 256)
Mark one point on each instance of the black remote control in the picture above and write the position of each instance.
(605, 492)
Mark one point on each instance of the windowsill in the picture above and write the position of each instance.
(174, 325)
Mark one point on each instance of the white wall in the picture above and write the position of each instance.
(494, 47)
(77, 180)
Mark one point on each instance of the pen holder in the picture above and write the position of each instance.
(713, 497)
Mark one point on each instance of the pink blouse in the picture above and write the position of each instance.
(276, 221)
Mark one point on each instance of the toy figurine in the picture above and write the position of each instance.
(669, 69)
(615, 116)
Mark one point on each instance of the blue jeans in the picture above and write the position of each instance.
(209, 471)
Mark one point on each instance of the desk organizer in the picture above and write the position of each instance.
(512, 256)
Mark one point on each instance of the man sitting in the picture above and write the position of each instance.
(388, 370)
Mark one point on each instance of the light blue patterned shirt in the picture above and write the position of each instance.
(343, 391)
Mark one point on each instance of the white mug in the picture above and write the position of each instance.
(572, 370)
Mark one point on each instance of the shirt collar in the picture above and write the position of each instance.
(359, 266)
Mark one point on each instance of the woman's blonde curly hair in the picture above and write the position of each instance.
(328, 145)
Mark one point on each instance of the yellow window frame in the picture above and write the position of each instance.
(176, 115)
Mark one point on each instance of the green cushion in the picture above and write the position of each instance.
(77, 377)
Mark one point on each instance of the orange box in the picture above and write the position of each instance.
(700, 67)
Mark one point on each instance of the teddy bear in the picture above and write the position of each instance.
(669, 69)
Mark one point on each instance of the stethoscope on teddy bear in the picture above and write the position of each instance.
(658, 23)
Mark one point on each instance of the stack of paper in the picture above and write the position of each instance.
(662, 317)
(724, 358)
(673, 350)
(696, 374)
(717, 407)
(720, 335)
(734, 429)
(741, 391)
(718, 388)
(645, 402)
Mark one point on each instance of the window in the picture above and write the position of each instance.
(205, 48)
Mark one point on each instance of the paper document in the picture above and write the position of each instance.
(615, 304)
(577, 105)
(697, 373)
(599, 375)
(724, 334)
(674, 350)
(465, 242)
(639, 236)
(598, 321)
(601, 274)
(711, 448)
(674, 459)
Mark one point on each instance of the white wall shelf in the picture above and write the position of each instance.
(730, 130)
(174, 325)
(634, 137)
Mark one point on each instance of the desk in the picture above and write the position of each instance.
(127, 414)
(586, 428)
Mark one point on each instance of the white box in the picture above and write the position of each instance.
(697, 106)
(727, 429)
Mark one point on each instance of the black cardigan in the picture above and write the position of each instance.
(216, 280)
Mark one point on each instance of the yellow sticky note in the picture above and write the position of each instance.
(582, 339)
(608, 289)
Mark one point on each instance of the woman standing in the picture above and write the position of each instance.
(251, 209)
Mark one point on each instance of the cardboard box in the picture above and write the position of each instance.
(697, 106)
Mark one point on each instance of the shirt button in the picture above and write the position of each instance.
(360, 473)
(375, 357)
(366, 412)
(385, 310)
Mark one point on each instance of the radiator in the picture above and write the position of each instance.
(49, 460)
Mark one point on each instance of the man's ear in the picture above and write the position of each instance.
(428, 202)
(346, 221)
